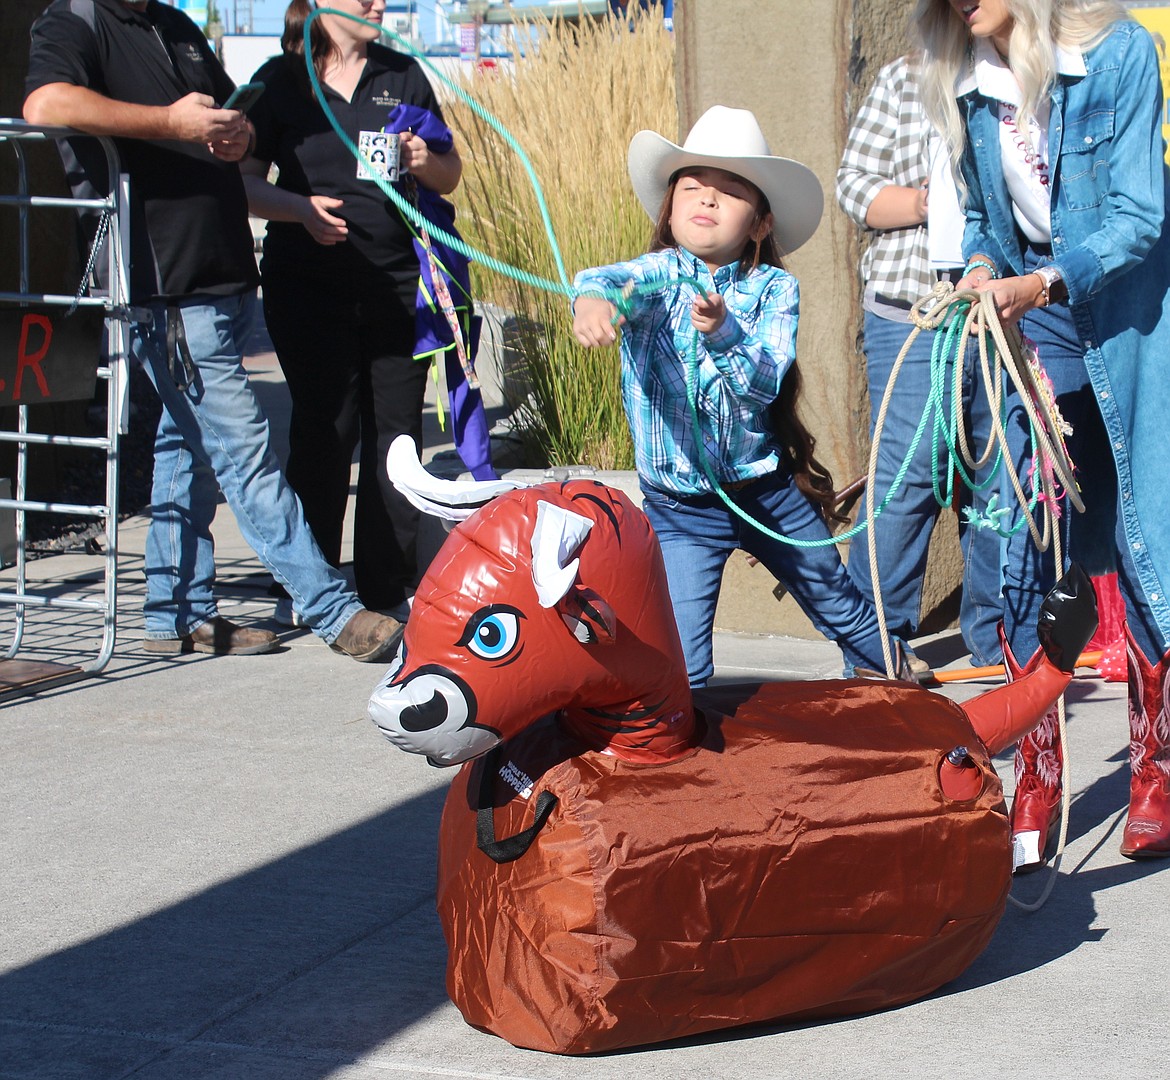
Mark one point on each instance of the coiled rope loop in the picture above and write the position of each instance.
(961, 313)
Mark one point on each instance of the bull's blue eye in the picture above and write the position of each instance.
(493, 632)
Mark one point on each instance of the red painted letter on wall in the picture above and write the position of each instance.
(23, 360)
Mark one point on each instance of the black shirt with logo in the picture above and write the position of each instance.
(293, 131)
(189, 214)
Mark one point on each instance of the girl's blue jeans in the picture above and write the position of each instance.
(697, 534)
(213, 436)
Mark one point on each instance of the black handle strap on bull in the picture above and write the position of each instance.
(512, 847)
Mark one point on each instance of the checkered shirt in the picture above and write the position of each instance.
(740, 366)
(889, 144)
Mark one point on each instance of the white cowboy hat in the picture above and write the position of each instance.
(731, 139)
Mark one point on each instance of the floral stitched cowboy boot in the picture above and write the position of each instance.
(1039, 762)
(1147, 828)
(1067, 620)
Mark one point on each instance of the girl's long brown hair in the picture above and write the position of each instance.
(796, 443)
(292, 42)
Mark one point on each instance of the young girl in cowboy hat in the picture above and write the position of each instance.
(725, 208)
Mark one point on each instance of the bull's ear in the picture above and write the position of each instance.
(589, 618)
(557, 536)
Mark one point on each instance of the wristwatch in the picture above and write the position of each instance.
(1052, 283)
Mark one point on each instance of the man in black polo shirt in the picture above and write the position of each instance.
(143, 72)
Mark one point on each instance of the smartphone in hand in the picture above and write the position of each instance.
(244, 97)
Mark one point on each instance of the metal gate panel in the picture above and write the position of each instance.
(31, 325)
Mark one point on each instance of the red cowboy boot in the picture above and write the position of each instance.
(1147, 828)
(1039, 762)
(1021, 710)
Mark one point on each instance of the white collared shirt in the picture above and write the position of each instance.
(944, 218)
(1023, 147)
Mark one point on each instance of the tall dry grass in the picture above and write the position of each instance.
(574, 102)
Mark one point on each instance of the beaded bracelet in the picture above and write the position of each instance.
(985, 263)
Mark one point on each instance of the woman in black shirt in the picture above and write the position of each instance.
(340, 276)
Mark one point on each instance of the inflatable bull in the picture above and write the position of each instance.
(620, 864)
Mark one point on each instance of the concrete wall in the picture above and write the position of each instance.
(803, 68)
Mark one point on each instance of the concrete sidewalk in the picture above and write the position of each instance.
(217, 868)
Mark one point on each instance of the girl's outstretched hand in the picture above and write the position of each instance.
(593, 323)
(708, 313)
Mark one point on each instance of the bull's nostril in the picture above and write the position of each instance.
(426, 716)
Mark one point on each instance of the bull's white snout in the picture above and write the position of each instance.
(430, 712)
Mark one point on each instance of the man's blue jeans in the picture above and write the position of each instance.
(213, 436)
(697, 534)
(902, 530)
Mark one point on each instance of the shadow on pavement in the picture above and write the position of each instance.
(324, 953)
(1026, 941)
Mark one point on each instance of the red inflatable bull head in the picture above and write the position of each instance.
(544, 599)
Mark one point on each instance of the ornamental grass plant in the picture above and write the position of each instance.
(572, 102)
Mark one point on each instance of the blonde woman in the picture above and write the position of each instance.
(1052, 111)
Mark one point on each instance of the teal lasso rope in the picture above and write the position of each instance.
(404, 206)
(933, 411)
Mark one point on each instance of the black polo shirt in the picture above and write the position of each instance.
(292, 131)
(189, 214)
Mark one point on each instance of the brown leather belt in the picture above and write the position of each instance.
(738, 485)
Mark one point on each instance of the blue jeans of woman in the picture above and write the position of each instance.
(1095, 538)
(213, 436)
(698, 533)
(902, 530)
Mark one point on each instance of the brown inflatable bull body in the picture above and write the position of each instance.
(627, 865)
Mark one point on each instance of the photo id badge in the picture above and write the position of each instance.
(379, 156)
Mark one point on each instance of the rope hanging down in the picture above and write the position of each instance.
(965, 314)
(960, 313)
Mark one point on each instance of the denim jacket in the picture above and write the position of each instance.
(1109, 198)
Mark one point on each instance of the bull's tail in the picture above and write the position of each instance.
(1068, 619)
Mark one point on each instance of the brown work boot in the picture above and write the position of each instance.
(217, 636)
(368, 637)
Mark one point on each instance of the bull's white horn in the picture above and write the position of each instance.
(451, 500)
(556, 537)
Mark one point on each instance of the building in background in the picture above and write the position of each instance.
(467, 29)
(195, 10)
(230, 15)
(485, 28)
(402, 17)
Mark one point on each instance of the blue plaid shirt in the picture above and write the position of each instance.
(740, 366)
